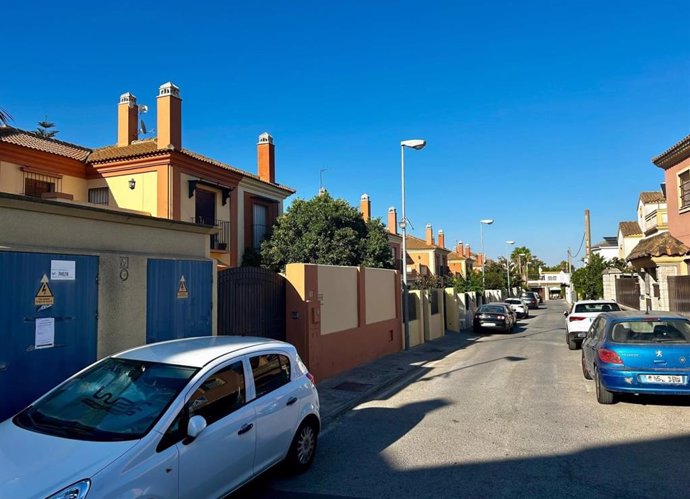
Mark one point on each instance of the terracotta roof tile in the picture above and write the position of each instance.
(150, 148)
(454, 255)
(419, 244)
(673, 155)
(663, 244)
(652, 197)
(11, 135)
(630, 229)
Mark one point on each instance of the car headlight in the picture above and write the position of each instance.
(77, 490)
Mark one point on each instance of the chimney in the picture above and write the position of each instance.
(459, 250)
(169, 117)
(365, 207)
(127, 115)
(429, 234)
(441, 239)
(392, 221)
(468, 253)
(480, 259)
(266, 158)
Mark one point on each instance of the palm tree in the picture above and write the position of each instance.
(44, 129)
(5, 117)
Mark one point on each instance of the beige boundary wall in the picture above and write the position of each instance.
(68, 228)
(342, 317)
(460, 309)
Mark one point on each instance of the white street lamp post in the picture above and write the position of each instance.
(508, 243)
(482, 223)
(412, 144)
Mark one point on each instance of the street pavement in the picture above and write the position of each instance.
(490, 415)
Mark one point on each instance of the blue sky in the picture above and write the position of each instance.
(533, 111)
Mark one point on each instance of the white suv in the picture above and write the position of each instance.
(580, 317)
(190, 418)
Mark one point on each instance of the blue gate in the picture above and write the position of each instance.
(179, 299)
(48, 323)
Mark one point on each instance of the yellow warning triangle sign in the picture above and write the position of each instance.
(44, 296)
(182, 289)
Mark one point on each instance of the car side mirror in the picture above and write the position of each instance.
(196, 425)
(565, 314)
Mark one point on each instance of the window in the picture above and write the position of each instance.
(433, 301)
(220, 394)
(99, 195)
(684, 189)
(411, 307)
(270, 372)
(35, 187)
(260, 227)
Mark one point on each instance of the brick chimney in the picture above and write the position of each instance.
(266, 158)
(459, 249)
(480, 259)
(169, 117)
(429, 234)
(127, 115)
(365, 207)
(392, 221)
(468, 253)
(441, 239)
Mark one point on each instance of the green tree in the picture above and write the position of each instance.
(620, 264)
(588, 281)
(45, 129)
(327, 231)
(473, 282)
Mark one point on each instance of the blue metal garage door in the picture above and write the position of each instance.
(178, 299)
(48, 323)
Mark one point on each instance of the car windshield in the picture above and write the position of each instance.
(595, 308)
(671, 331)
(527, 297)
(491, 309)
(117, 399)
(514, 301)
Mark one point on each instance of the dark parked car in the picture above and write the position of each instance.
(530, 298)
(634, 352)
(494, 316)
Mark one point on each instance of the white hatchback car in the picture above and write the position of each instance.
(580, 317)
(190, 418)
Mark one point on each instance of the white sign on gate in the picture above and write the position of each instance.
(62, 270)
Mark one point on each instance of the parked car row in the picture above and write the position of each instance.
(630, 351)
(501, 316)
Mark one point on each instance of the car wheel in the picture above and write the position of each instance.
(303, 447)
(603, 395)
(572, 345)
(585, 372)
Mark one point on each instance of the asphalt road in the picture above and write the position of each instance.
(507, 416)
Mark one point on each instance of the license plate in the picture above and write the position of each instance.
(663, 379)
(488, 324)
(581, 335)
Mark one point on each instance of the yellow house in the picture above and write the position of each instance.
(155, 176)
(425, 257)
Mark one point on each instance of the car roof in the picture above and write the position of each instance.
(198, 351)
(586, 302)
(638, 315)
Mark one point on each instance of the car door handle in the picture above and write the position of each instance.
(245, 428)
(291, 400)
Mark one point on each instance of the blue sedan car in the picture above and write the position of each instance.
(634, 352)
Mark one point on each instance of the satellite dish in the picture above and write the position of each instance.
(143, 109)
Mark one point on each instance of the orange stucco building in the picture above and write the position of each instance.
(155, 176)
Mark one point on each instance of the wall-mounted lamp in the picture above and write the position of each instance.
(132, 183)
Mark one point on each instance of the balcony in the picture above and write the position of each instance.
(655, 221)
(220, 240)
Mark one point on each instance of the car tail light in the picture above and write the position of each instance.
(609, 356)
(574, 318)
(311, 378)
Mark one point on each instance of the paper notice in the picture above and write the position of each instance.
(45, 333)
(63, 270)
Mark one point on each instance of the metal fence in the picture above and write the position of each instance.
(628, 292)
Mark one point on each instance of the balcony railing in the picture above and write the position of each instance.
(655, 219)
(221, 240)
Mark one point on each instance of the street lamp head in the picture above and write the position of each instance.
(413, 143)
(486, 221)
(510, 242)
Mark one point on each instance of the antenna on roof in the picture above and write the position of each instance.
(143, 109)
